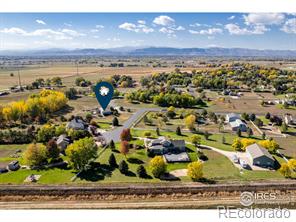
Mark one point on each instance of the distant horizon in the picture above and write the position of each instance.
(41, 31)
(143, 47)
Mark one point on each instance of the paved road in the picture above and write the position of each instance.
(115, 133)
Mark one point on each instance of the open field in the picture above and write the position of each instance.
(68, 73)
(249, 102)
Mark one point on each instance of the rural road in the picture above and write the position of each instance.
(114, 134)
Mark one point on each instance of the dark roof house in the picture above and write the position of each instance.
(259, 156)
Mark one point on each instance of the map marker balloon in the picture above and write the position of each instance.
(104, 93)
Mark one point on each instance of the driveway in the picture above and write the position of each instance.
(240, 155)
(114, 134)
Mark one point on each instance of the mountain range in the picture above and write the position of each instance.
(153, 51)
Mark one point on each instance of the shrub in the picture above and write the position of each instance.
(285, 170)
(147, 134)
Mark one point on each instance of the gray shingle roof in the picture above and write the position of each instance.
(255, 150)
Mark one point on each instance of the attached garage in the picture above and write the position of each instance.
(259, 156)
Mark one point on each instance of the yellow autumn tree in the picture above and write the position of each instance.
(190, 121)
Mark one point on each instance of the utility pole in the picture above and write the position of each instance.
(77, 71)
(19, 78)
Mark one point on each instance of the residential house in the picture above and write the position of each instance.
(162, 146)
(259, 156)
(63, 141)
(238, 124)
(231, 117)
(76, 124)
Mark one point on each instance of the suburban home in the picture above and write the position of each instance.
(259, 156)
(231, 117)
(162, 146)
(238, 124)
(76, 124)
(63, 141)
(289, 120)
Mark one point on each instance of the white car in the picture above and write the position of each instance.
(234, 158)
(243, 164)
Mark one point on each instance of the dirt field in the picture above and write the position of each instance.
(69, 73)
(249, 103)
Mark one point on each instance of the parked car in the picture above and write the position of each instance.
(234, 158)
(3, 170)
(14, 165)
(243, 164)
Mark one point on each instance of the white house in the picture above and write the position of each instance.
(232, 117)
(238, 124)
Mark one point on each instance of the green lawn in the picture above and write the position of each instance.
(217, 167)
(214, 140)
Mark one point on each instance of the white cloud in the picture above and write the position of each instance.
(40, 22)
(231, 17)
(48, 33)
(210, 31)
(13, 30)
(164, 20)
(100, 26)
(289, 26)
(166, 30)
(195, 25)
(142, 22)
(235, 29)
(179, 28)
(114, 39)
(72, 32)
(68, 24)
(97, 29)
(136, 27)
(264, 18)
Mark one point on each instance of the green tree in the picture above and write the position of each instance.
(195, 170)
(81, 152)
(115, 121)
(178, 131)
(45, 133)
(196, 140)
(123, 167)
(112, 161)
(112, 145)
(157, 166)
(141, 171)
(35, 154)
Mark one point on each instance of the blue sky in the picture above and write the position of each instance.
(108, 30)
